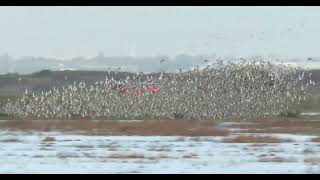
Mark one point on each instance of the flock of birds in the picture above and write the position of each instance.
(221, 91)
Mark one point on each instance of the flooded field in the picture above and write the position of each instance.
(30, 151)
(310, 113)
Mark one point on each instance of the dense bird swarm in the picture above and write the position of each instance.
(221, 91)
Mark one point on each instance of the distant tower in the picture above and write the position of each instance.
(132, 52)
(100, 55)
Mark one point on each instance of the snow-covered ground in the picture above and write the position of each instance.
(27, 152)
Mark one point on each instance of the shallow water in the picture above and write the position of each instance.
(27, 152)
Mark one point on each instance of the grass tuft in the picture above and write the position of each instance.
(49, 139)
(254, 139)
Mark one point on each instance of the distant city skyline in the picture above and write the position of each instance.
(65, 32)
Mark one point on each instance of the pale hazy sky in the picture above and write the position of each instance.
(143, 31)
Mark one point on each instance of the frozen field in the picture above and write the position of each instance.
(54, 152)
